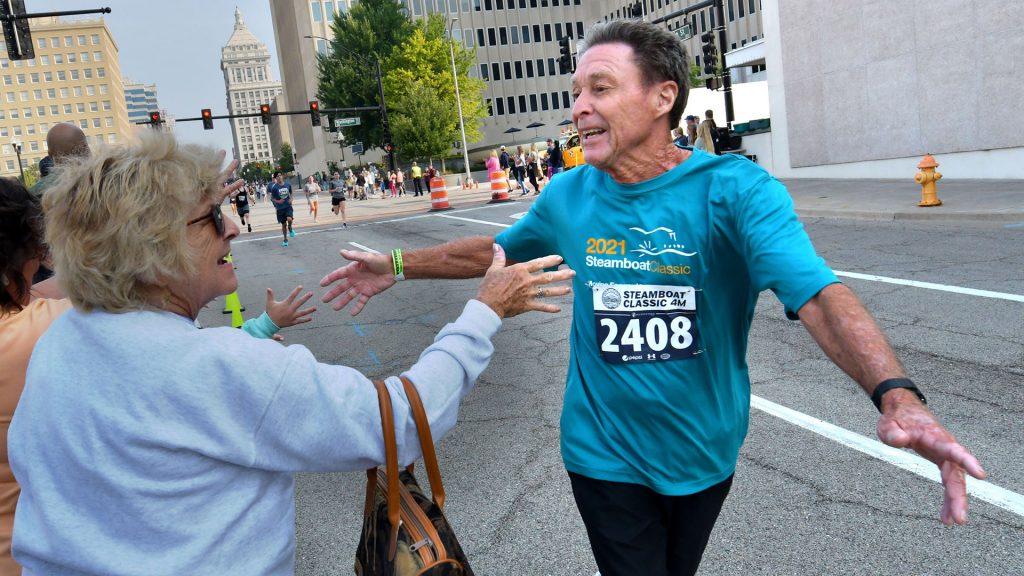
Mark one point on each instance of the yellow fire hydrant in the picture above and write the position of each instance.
(927, 178)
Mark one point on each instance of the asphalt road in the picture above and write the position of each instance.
(803, 501)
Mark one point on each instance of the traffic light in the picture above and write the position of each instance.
(314, 112)
(389, 147)
(636, 10)
(265, 113)
(154, 119)
(564, 55)
(708, 52)
(207, 119)
(16, 32)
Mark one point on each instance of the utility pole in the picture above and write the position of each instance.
(726, 75)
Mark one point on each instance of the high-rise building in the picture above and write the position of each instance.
(301, 30)
(75, 77)
(248, 84)
(140, 100)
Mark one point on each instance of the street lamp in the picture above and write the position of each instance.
(380, 91)
(458, 101)
(17, 150)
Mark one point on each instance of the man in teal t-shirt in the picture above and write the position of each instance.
(671, 247)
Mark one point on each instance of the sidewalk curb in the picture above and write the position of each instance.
(931, 214)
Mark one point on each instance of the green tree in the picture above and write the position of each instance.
(696, 80)
(421, 93)
(286, 161)
(256, 171)
(424, 126)
(32, 175)
(369, 31)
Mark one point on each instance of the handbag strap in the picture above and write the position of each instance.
(426, 442)
(387, 420)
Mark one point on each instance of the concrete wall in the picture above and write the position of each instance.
(892, 81)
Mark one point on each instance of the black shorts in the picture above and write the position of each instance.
(335, 201)
(243, 209)
(635, 530)
(283, 214)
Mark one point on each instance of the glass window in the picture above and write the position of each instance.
(51, 93)
(74, 74)
(501, 106)
(109, 121)
(62, 75)
(533, 102)
(40, 110)
(526, 34)
(547, 32)
(519, 69)
(69, 41)
(48, 76)
(84, 56)
(87, 72)
(511, 103)
(94, 39)
(551, 67)
(34, 77)
(67, 108)
(490, 37)
(97, 56)
(566, 102)
(44, 60)
(37, 94)
(21, 78)
(95, 122)
(495, 71)
(8, 80)
(26, 113)
(102, 72)
(479, 36)
(522, 103)
(739, 6)
(508, 70)
(58, 58)
(467, 35)
(483, 72)
(103, 88)
(81, 40)
(329, 9)
(54, 110)
(515, 34)
(63, 92)
(318, 16)
(417, 9)
(72, 57)
(94, 107)
(544, 101)
(558, 30)
(503, 35)
(80, 106)
(540, 67)
(23, 95)
(529, 71)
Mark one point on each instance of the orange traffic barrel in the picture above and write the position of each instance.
(499, 187)
(438, 195)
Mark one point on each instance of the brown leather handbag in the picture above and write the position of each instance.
(405, 533)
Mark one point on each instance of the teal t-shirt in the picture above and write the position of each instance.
(667, 277)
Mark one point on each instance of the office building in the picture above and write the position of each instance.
(248, 83)
(74, 77)
(140, 100)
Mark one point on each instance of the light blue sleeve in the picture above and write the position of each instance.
(261, 327)
(327, 418)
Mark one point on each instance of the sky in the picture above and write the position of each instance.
(176, 45)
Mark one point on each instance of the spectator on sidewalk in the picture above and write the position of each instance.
(417, 179)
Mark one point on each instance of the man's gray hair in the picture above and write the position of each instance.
(658, 53)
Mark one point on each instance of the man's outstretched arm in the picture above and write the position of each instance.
(370, 274)
(849, 336)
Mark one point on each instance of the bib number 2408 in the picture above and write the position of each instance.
(646, 323)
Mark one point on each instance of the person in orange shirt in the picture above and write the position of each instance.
(26, 311)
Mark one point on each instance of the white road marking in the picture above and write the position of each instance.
(474, 220)
(364, 248)
(931, 286)
(996, 495)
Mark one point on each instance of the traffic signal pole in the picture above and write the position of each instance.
(719, 7)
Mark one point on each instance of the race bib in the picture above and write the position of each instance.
(645, 322)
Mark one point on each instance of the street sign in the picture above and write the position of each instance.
(684, 32)
(339, 122)
(357, 148)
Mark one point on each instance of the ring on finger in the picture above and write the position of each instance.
(540, 291)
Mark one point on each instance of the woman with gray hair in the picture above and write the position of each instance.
(140, 449)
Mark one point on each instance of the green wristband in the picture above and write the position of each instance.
(397, 265)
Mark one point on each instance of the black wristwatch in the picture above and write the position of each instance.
(886, 385)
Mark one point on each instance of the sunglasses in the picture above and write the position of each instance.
(215, 215)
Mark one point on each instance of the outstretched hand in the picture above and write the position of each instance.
(909, 424)
(515, 289)
(365, 276)
(287, 312)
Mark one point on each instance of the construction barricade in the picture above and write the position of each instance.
(499, 187)
(438, 195)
